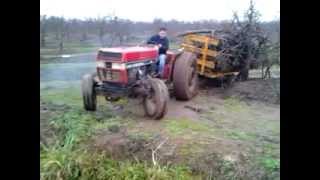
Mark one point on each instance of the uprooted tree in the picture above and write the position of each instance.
(244, 45)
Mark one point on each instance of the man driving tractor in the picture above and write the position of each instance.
(162, 42)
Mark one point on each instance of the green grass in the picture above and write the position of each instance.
(73, 126)
(109, 121)
(273, 127)
(59, 87)
(271, 150)
(68, 158)
(269, 160)
(235, 105)
(70, 96)
(241, 135)
(80, 164)
(185, 126)
(141, 135)
(190, 149)
(270, 164)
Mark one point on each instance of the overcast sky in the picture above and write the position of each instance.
(147, 10)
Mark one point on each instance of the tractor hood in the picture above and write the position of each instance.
(128, 54)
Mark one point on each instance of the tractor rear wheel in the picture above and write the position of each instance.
(155, 104)
(185, 76)
(88, 92)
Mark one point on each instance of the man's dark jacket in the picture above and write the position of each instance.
(156, 39)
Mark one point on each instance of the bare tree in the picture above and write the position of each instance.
(101, 25)
(241, 36)
(113, 27)
(157, 23)
(67, 30)
(84, 30)
(43, 30)
(62, 32)
(121, 29)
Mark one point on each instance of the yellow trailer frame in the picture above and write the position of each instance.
(206, 62)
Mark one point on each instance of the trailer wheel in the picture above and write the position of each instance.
(88, 92)
(185, 76)
(155, 104)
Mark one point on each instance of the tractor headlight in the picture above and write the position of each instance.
(119, 66)
(101, 64)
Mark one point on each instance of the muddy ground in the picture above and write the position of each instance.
(227, 133)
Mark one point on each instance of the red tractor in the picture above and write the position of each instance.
(130, 71)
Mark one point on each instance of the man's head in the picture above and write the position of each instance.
(162, 32)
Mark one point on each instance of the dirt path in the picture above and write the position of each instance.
(217, 126)
(218, 131)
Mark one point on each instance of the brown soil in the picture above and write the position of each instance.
(257, 89)
(202, 152)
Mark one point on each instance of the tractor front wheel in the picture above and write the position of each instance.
(155, 104)
(88, 92)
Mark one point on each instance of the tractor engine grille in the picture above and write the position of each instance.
(108, 75)
(109, 56)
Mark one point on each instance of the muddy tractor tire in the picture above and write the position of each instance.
(155, 104)
(185, 76)
(88, 92)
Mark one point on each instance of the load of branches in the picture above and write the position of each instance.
(244, 45)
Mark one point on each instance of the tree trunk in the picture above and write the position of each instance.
(262, 71)
(57, 35)
(244, 71)
(43, 34)
(268, 73)
(68, 35)
(83, 36)
(43, 40)
(120, 39)
(101, 41)
(112, 39)
(244, 74)
(61, 47)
